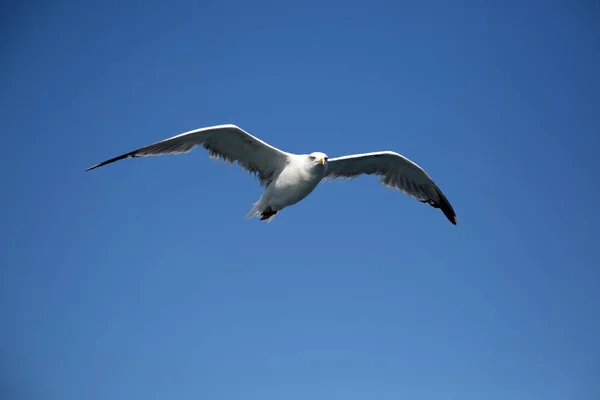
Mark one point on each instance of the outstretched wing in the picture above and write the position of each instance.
(226, 142)
(394, 171)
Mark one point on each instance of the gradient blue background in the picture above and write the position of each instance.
(141, 280)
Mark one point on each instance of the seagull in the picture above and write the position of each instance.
(287, 177)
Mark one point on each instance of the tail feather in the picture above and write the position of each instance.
(258, 210)
(255, 211)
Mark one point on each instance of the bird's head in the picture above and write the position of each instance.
(317, 158)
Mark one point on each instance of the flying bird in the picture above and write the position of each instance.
(288, 178)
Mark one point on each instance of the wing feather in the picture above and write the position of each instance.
(226, 142)
(394, 171)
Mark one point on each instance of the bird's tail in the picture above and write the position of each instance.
(258, 210)
(255, 211)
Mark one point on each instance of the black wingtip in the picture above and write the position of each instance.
(448, 212)
(446, 208)
(96, 166)
(112, 160)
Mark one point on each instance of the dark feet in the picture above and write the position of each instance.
(268, 212)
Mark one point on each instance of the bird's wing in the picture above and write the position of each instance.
(226, 142)
(395, 171)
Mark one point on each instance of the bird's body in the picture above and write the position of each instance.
(292, 185)
(289, 178)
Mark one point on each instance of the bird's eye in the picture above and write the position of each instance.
(312, 158)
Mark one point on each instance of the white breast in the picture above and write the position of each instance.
(294, 183)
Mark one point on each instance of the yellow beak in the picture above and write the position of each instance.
(322, 161)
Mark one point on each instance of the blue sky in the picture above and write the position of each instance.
(141, 280)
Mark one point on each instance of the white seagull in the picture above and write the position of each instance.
(289, 178)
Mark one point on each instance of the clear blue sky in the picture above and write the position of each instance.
(141, 280)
